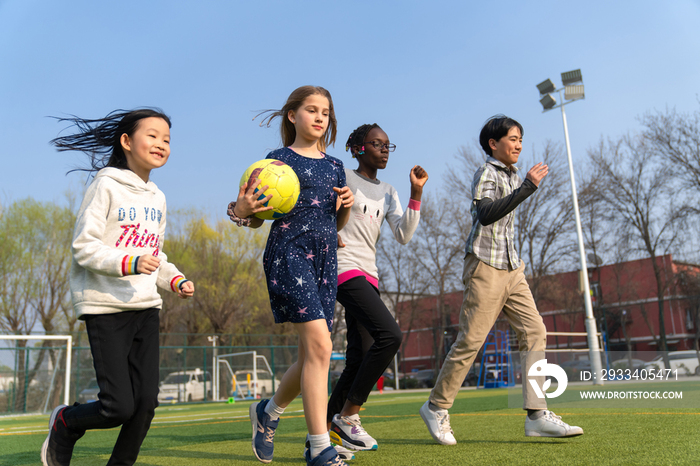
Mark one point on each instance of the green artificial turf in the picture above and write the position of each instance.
(487, 432)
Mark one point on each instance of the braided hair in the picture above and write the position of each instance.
(357, 138)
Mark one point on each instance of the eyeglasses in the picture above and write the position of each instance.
(379, 146)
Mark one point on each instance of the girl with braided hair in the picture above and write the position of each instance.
(373, 335)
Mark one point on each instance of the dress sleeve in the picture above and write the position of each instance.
(342, 180)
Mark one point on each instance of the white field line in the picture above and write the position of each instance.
(181, 418)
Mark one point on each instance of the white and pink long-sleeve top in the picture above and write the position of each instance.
(121, 218)
(374, 202)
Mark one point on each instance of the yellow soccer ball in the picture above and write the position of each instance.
(282, 183)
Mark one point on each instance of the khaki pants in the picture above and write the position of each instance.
(487, 291)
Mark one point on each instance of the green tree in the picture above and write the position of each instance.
(225, 263)
(34, 264)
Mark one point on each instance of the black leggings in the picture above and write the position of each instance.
(125, 352)
(373, 336)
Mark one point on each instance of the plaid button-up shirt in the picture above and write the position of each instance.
(494, 244)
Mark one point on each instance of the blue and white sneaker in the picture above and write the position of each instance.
(263, 431)
(347, 431)
(343, 453)
(328, 457)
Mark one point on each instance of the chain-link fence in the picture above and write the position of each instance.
(32, 377)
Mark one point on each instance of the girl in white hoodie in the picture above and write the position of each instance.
(117, 264)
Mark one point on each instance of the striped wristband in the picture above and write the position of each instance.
(177, 282)
(129, 265)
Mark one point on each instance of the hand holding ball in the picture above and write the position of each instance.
(282, 184)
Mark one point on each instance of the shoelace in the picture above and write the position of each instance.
(270, 435)
(554, 418)
(337, 462)
(356, 423)
(443, 422)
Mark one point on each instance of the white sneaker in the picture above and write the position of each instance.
(347, 432)
(438, 423)
(550, 425)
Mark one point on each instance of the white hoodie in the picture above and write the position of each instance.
(121, 218)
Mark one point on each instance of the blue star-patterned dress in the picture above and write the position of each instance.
(300, 258)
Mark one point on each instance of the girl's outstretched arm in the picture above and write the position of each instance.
(404, 223)
(345, 200)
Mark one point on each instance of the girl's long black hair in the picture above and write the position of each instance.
(100, 139)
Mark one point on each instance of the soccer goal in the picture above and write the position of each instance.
(244, 376)
(15, 381)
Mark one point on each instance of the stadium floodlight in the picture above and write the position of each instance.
(572, 94)
(548, 101)
(545, 87)
(571, 77)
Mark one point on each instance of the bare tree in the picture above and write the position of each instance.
(460, 174)
(675, 137)
(439, 244)
(401, 279)
(634, 184)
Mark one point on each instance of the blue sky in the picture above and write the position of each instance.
(429, 73)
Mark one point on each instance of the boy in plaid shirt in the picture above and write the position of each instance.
(494, 281)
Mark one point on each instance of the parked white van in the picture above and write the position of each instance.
(686, 362)
(185, 386)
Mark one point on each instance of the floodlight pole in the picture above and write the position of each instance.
(591, 328)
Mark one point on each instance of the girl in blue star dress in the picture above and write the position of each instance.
(301, 266)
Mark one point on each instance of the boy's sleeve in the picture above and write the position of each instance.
(88, 247)
(489, 211)
(169, 277)
(484, 184)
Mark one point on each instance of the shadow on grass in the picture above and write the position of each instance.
(205, 455)
(188, 439)
(533, 441)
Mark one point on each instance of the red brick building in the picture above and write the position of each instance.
(625, 302)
